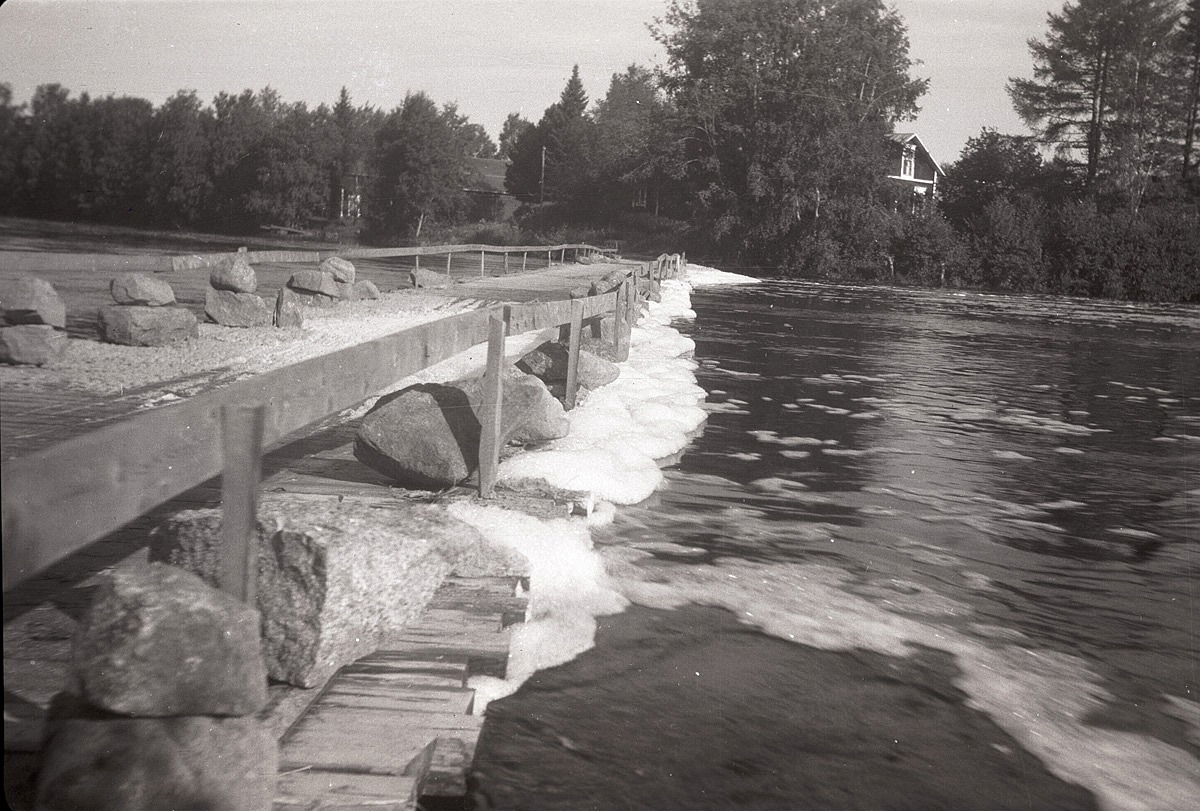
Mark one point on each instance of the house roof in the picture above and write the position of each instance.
(487, 175)
(906, 138)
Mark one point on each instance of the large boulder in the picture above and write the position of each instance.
(94, 761)
(31, 344)
(341, 269)
(365, 289)
(608, 282)
(315, 281)
(31, 300)
(147, 326)
(427, 436)
(601, 347)
(549, 363)
(335, 577)
(289, 308)
(545, 418)
(420, 277)
(231, 309)
(157, 641)
(141, 289)
(234, 275)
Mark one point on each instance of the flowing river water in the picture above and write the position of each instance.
(930, 551)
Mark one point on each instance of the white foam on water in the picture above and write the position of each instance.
(1039, 697)
(616, 436)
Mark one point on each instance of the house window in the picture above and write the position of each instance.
(639, 197)
(908, 163)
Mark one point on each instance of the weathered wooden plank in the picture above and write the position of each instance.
(372, 696)
(242, 430)
(367, 741)
(576, 328)
(58, 499)
(300, 789)
(491, 409)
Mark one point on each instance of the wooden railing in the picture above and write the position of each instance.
(60, 499)
(35, 261)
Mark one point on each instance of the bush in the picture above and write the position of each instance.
(929, 252)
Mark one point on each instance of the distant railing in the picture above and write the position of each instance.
(35, 261)
(64, 497)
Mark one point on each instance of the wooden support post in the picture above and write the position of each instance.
(562, 257)
(576, 327)
(506, 263)
(620, 313)
(524, 256)
(549, 260)
(417, 258)
(491, 408)
(242, 439)
(481, 264)
(449, 256)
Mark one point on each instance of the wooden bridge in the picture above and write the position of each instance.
(78, 504)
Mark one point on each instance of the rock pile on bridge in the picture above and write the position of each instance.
(145, 313)
(230, 300)
(32, 320)
(167, 677)
(420, 277)
(325, 286)
(549, 364)
(427, 436)
(336, 576)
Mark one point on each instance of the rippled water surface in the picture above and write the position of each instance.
(971, 522)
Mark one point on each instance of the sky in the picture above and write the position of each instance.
(491, 57)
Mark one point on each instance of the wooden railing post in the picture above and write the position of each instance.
(549, 260)
(492, 406)
(506, 263)
(620, 317)
(524, 256)
(573, 354)
(449, 256)
(242, 440)
(481, 254)
(562, 256)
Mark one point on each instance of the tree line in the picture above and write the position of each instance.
(762, 141)
(241, 161)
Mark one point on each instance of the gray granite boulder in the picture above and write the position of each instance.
(315, 281)
(427, 436)
(141, 289)
(31, 300)
(289, 308)
(157, 641)
(601, 347)
(147, 326)
(31, 344)
(549, 363)
(545, 418)
(365, 289)
(98, 762)
(334, 576)
(234, 275)
(420, 277)
(231, 309)
(342, 270)
(608, 282)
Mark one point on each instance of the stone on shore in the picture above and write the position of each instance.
(141, 289)
(31, 300)
(157, 642)
(315, 281)
(147, 326)
(334, 577)
(341, 269)
(608, 282)
(545, 418)
(601, 347)
(549, 363)
(234, 275)
(427, 436)
(420, 277)
(31, 344)
(365, 289)
(580, 291)
(98, 762)
(289, 308)
(231, 309)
